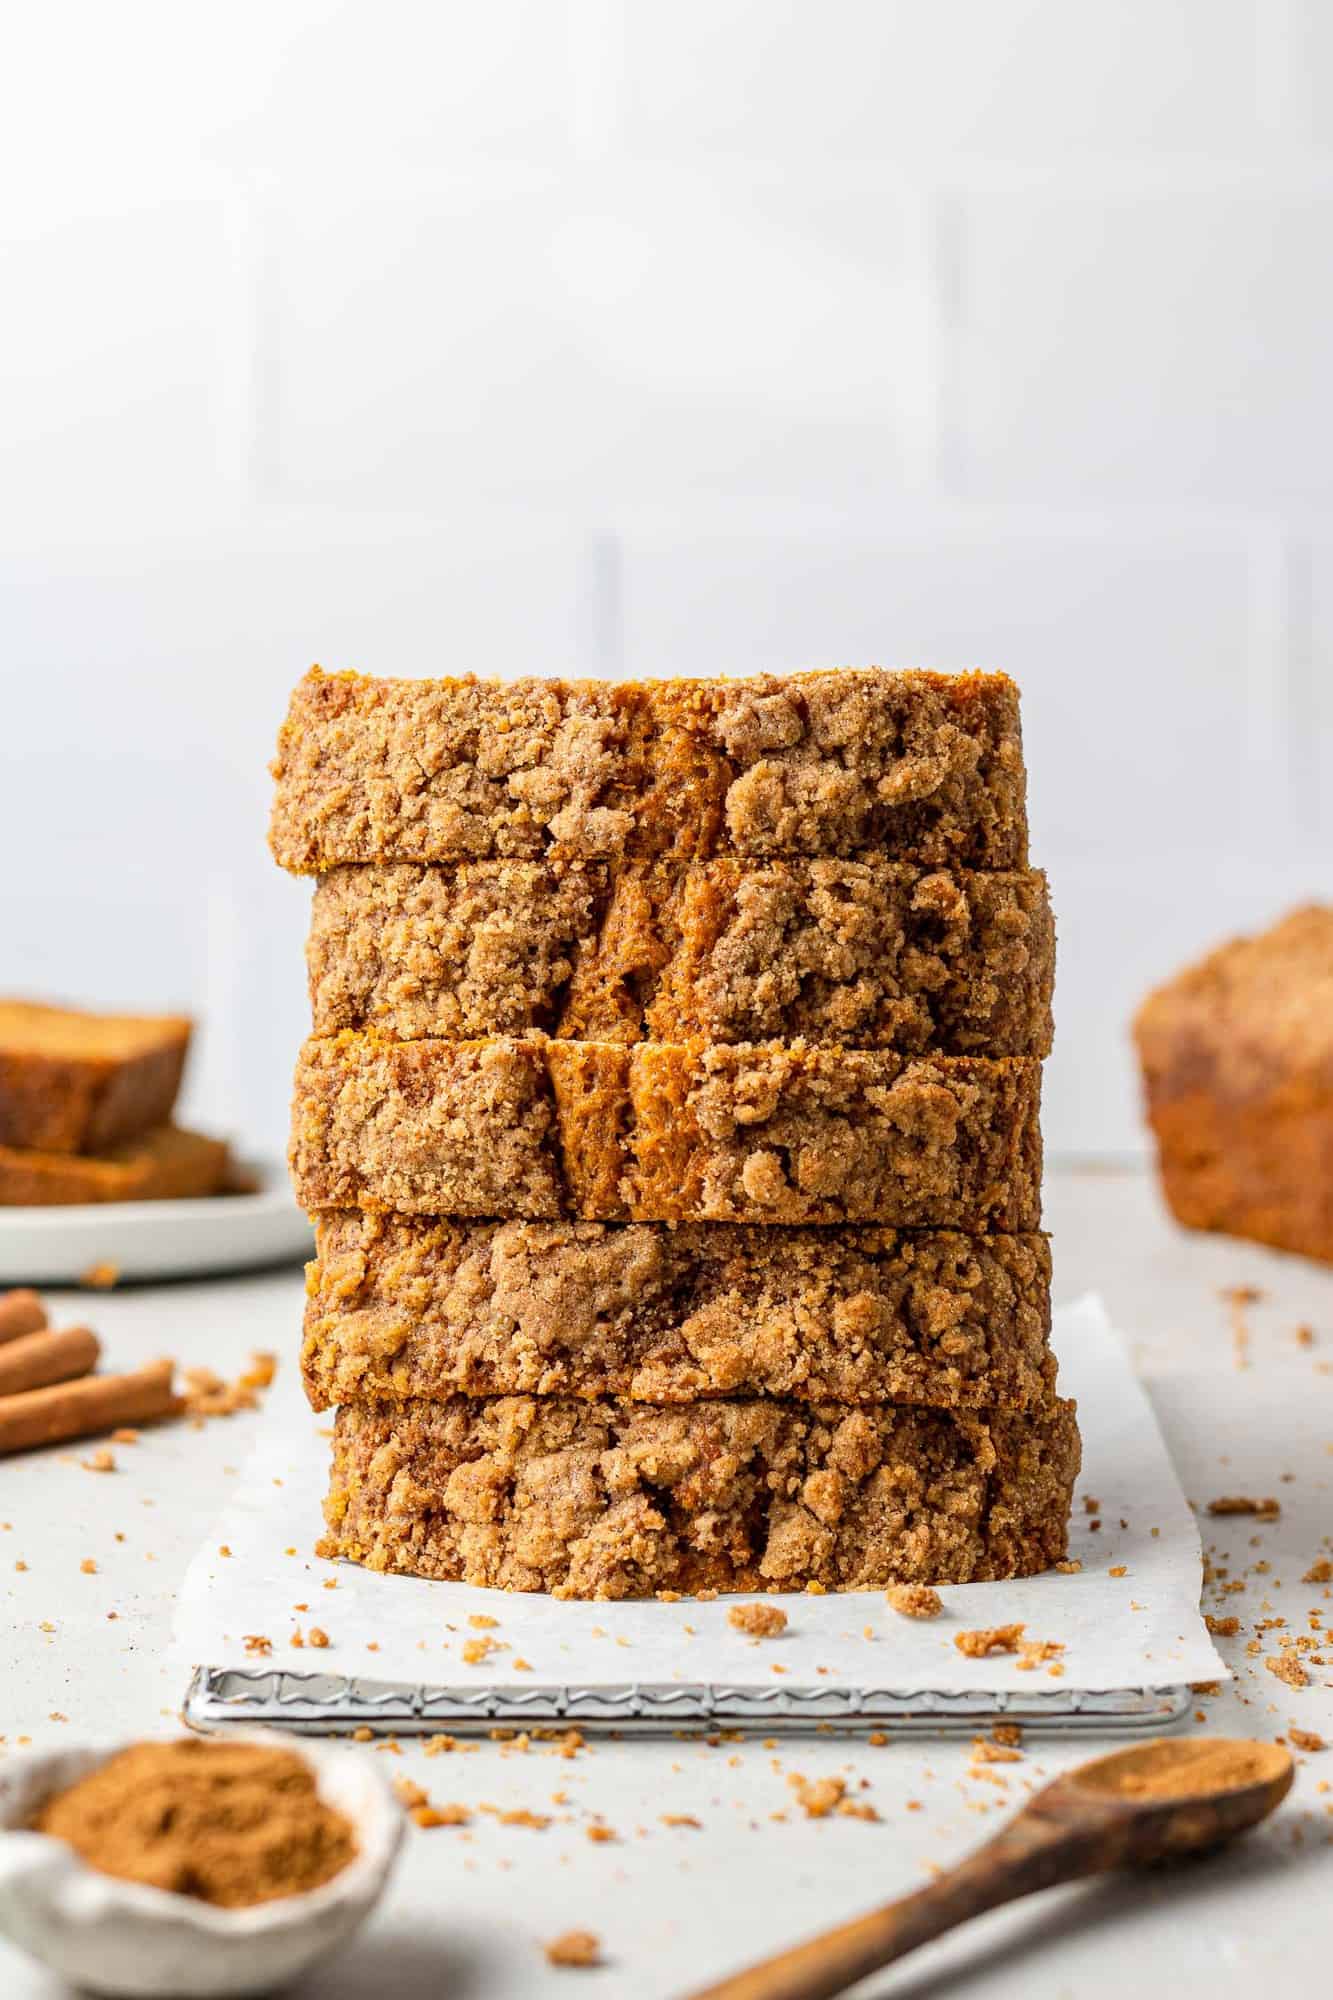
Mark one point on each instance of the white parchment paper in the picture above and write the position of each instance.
(1141, 1628)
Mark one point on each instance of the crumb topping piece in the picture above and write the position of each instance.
(914, 1600)
(760, 1621)
(575, 1949)
(988, 1639)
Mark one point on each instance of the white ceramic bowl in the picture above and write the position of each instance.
(109, 1936)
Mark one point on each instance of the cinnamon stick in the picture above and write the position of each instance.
(20, 1312)
(38, 1358)
(96, 1403)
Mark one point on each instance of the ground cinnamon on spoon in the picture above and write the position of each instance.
(1176, 1770)
(228, 1823)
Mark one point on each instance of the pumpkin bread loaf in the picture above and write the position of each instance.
(926, 767)
(608, 1499)
(867, 954)
(417, 1306)
(1237, 1058)
(543, 1130)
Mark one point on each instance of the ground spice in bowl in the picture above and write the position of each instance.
(231, 1824)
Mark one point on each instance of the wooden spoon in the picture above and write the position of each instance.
(1162, 1798)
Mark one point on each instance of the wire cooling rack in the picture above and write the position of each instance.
(330, 1704)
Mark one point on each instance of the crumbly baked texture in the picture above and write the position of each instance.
(73, 1082)
(621, 1500)
(163, 1165)
(544, 1130)
(402, 1306)
(927, 766)
(1237, 1060)
(870, 954)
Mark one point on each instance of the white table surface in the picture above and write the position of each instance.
(677, 1906)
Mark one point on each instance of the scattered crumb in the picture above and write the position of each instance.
(987, 1639)
(481, 1621)
(88, 1566)
(679, 1819)
(416, 1803)
(1221, 1628)
(256, 1642)
(1320, 1571)
(99, 1461)
(100, 1277)
(599, 1833)
(1286, 1667)
(447, 1815)
(224, 1549)
(1035, 1653)
(1070, 1567)
(1118, 1569)
(575, 1948)
(817, 1797)
(915, 1600)
(761, 1621)
(208, 1395)
(1307, 1739)
(1008, 1733)
(985, 1752)
(317, 1636)
(1241, 1503)
(477, 1650)
(125, 1436)
(259, 1375)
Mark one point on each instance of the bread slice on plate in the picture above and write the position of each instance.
(74, 1082)
(166, 1164)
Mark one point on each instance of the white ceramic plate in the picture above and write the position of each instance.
(156, 1239)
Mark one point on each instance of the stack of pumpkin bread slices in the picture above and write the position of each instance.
(671, 1128)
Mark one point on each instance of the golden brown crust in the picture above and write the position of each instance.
(169, 1164)
(72, 1082)
(868, 954)
(662, 1133)
(927, 766)
(1237, 1060)
(402, 1306)
(616, 1500)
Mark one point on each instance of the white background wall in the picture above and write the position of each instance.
(725, 335)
